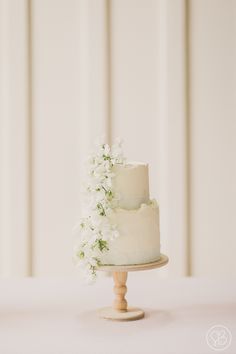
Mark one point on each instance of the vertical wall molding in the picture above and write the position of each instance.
(30, 138)
(109, 69)
(5, 217)
(173, 134)
(188, 151)
(14, 236)
(94, 67)
(94, 75)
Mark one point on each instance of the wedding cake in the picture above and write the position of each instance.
(136, 216)
(120, 225)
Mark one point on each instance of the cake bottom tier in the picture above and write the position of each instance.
(139, 239)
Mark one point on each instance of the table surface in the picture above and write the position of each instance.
(58, 316)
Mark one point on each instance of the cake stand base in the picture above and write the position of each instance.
(131, 314)
(120, 310)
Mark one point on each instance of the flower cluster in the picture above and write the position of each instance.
(95, 228)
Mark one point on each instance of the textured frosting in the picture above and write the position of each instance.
(139, 240)
(131, 183)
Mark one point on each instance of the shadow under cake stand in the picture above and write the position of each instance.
(120, 311)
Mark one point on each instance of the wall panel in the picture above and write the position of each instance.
(15, 236)
(213, 131)
(172, 133)
(55, 104)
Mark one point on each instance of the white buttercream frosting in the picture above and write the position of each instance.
(136, 218)
(139, 239)
(131, 184)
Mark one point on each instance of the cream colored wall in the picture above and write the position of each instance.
(160, 74)
(213, 132)
(15, 208)
(55, 113)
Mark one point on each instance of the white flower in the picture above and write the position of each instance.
(96, 229)
(106, 149)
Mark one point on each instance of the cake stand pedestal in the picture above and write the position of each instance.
(120, 310)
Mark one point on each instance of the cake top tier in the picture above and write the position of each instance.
(131, 183)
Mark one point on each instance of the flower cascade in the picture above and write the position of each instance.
(95, 230)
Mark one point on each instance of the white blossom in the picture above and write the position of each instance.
(96, 230)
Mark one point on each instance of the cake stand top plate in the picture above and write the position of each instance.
(135, 267)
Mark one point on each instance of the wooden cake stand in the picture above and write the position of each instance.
(120, 310)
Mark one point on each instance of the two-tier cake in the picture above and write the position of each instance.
(120, 225)
(136, 217)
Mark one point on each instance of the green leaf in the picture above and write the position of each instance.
(101, 244)
(81, 254)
